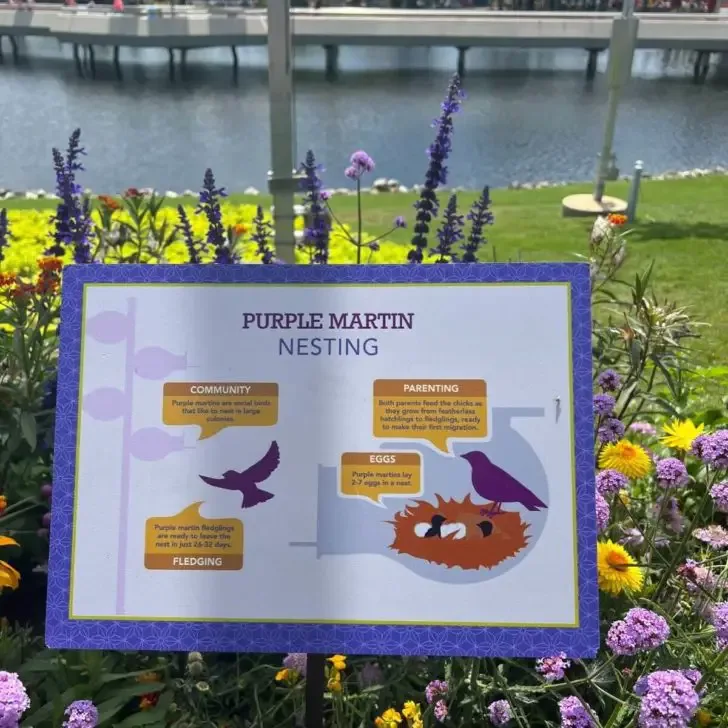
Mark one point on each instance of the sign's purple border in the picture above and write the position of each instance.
(62, 632)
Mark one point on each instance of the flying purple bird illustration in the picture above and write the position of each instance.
(494, 484)
(247, 481)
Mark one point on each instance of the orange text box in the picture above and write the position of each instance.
(430, 409)
(189, 541)
(373, 475)
(213, 406)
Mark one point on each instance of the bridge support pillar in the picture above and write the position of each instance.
(332, 59)
(183, 60)
(14, 46)
(117, 65)
(591, 64)
(171, 64)
(77, 59)
(701, 67)
(235, 62)
(92, 60)
(1, 50)
(461, 60)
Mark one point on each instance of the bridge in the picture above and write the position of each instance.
(189, 27)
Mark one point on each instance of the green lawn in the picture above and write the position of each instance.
(682, 226)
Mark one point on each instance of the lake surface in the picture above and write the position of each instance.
(530, 116)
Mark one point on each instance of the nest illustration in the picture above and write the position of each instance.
(458, 533)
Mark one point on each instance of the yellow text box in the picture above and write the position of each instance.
(189, 541)
(373, 475)
(213, 406)
(435, 410)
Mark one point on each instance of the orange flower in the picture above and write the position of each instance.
(7, 280)
(51, 265)
(132, 192)
(148, 701)
(3, 504)
(148, 677)
(22, 289)
(110, 203)
(240, 229)
(617, 220)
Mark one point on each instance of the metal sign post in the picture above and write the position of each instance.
(282, 181)
(621, 53)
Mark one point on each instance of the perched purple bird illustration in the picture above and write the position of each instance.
(247, 481)
(494, 484)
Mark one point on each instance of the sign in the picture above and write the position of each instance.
(374, 459)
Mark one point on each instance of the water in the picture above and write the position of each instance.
(530, 116)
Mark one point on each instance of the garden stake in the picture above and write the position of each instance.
(315, 676)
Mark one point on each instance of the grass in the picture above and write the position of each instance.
(682, 226)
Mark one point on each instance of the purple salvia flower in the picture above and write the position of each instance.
(712, 449)
(209, 206)
(81, 714)
(262, 230)
(4, 233)
(296, 661)
(574, 714)
(500, 712)
(553, 668)
(479, 216)
(603, 405)
(194, 248)
(714, 535)
(316, 235)
(719, 494)
(450, 233)
(643, 428)
(610, 482)
(611, 430)
(639, 631)
(400, 222)
(428, 206)
(435, 690)
(72, 221)
(671, 473)
(668, 700)
(609, 380)
(602, 512)
(440, 711)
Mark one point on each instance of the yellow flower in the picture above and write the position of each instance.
(338, 661)
(627, 458)
(334, 683)
(617, 570)
(148, 677)
(411, 711)
(283, 675)
(623, 496)
(679, 434)
(390, 718)
(6, 540)
(9, 577)
(703, 718)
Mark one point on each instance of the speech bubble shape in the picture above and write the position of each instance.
(374, 475)
(191, 542)
(435, 410)
(214, 406)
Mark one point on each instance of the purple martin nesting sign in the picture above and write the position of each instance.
(373, 459)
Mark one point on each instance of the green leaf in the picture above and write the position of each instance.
(28, 428)
(42, 714)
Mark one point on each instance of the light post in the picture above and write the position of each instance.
(621, 54)
(282, 181)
